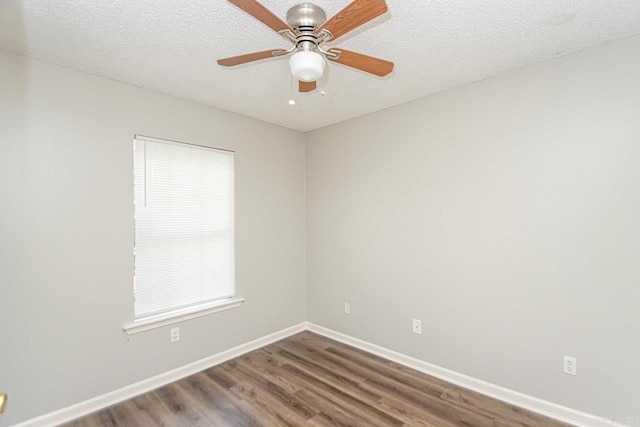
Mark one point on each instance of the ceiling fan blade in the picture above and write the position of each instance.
(262, 14)
(369, 64)
(248, 57)
(306, 86)
(354, 15)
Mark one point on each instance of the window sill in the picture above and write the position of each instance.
(157, 321)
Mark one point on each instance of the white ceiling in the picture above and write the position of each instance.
(171, 46)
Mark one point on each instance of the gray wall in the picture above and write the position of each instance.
(66, 234)
(505, 215)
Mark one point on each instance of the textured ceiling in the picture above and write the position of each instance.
(171, 46)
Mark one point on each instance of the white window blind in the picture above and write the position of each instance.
(184, 226)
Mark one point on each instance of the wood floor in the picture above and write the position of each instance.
(309, 380)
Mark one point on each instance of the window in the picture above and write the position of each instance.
(184, 228)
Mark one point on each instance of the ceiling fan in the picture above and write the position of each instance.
(307, 28)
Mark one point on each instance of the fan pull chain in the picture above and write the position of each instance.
(292, 101)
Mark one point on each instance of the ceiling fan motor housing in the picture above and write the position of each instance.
(305, 17)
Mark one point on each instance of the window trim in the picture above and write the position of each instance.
(159, 320)
(176, 316)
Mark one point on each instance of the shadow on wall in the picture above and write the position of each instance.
(14, 149)
(13, 35)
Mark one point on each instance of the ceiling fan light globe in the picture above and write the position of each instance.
(306, 66)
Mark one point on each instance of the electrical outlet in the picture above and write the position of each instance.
(347, 308)
(417, 326)
(175, 334)
(569, 365)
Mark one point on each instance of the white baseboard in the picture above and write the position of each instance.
(534, 404)
(100, 402)
(522, 400)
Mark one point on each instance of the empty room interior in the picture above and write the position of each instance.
(338, 213)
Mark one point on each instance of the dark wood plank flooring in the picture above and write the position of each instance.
(310, 380)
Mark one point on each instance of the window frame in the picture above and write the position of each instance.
(153, 321)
